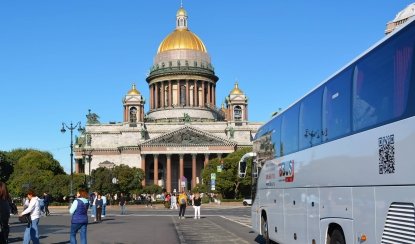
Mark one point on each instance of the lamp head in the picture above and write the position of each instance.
(81, 129)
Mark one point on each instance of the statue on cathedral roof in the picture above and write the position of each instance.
(92, 118)
(186, 118)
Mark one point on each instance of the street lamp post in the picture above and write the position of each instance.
(88, 153)
(71, 128)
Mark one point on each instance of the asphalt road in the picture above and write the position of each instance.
(227, 224)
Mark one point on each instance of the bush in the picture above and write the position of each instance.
(205, 199)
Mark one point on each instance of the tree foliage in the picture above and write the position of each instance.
(128, 179)
(227, 182)
(32, 169)
(6, 166)
(152, 189)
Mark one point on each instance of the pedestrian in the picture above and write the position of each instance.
(42, 206)
(104, 205)
(122, 204)
(32, 228)
(99, 203)
(79, 212)
(182, 204)
(5, 202)
(94, 207)
(173, 201)
(46, 201)
(167, 200)
(148, 201)
(197, 202)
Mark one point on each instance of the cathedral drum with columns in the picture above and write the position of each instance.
(183, 129)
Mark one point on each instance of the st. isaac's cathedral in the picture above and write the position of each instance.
(184, 127)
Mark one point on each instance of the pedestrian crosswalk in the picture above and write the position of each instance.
(244, 220)
(205, 230)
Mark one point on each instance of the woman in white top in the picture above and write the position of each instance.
(173, 201)
(32, 229)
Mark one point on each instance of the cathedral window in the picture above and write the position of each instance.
(237, 113)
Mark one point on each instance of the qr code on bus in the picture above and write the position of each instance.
(387, 155)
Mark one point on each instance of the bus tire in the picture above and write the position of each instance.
(337, 237)
(264, 228)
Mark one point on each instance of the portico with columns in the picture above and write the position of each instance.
(181, 154)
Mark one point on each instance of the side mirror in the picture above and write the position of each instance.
(242, 169)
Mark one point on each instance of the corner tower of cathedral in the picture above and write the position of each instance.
(183, 129)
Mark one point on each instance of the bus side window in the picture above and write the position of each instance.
(289, 131)
(336, 106)
(381, 83)
(310, 120)
(276, 135)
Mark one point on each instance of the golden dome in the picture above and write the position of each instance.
(236, 90)
(133, 91)
(182, 39)
(181, 12)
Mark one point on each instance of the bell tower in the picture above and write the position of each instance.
(237, 106)
(133, 107)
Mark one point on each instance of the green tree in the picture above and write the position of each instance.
(6, 166)
(153, 189)
(60, 187)
(128, 179)
(33, 169)
(227, 182)
(102, 181)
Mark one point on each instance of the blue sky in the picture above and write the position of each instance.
(60, 58)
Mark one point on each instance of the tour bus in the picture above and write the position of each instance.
(338, 165)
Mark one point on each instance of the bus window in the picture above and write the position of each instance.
(275, 128)
(381, 83)
(289, 131)
(310, 120)
(336, 106)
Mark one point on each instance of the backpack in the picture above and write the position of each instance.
(182, 200)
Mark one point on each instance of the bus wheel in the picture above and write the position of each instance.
(264, 227)
(337, 237)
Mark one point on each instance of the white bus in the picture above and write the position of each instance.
(338, 166)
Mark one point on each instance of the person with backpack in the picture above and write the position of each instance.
(182, 204)
(79, 212)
